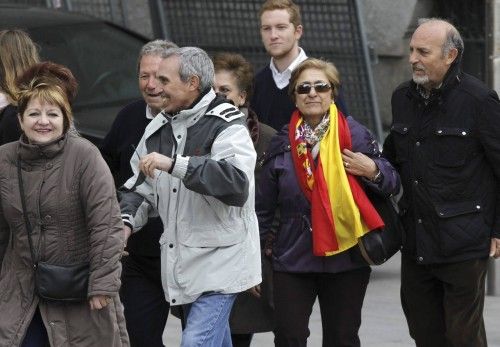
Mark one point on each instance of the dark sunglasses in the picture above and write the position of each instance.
(319, 87)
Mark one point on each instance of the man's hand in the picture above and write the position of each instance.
(495, 248)
(99, 302)
(153, 161)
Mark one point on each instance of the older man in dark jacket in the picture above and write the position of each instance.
(146, 309)
(445, 143)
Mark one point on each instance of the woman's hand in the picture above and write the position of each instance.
(98, 302)
(359, 164)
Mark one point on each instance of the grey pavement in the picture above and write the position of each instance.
(383, 322)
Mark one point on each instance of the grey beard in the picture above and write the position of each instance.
(420, 80)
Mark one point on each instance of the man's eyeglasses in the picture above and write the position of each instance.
(319, 87)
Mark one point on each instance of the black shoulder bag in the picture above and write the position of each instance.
(54, 282)
(379, 245)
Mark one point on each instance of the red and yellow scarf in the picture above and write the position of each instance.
(340, 210)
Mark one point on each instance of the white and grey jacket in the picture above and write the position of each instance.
(210, 240)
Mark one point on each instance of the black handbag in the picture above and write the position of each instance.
(379, 245)
(54, 282)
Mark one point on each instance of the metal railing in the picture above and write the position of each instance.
(332, 30)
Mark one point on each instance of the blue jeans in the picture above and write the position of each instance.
(207, 321)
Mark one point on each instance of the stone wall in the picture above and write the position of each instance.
(388, 27)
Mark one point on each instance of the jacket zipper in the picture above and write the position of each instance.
(42, 233)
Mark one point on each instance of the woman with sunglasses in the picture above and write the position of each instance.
(315, 173)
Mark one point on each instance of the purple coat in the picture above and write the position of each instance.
(279, 190)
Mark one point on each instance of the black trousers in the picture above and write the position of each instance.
(36, 335)
(146, 309)
(340, 298)
(443, 303)
(241, 340)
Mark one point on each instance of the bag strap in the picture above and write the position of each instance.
(25, 212)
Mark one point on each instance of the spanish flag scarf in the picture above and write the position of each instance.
(340, 210)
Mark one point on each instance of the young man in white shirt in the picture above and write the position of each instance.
(281, 30)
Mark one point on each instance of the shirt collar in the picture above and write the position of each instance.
(425, 93)
(200, 105)
(283, 78)
(149, 113)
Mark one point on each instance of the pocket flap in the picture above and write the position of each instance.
(447, 210)
(213, 235)
(400, 128)
(441, 131)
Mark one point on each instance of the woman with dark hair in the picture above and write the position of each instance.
(17, 53)
(252, 311)
(60, 226)
(234, 79)
(315, 172)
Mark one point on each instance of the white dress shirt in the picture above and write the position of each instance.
(283, 78)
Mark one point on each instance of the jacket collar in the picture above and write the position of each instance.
(451, 80)
(29, 152)
(252, 123)
(190, 114)
(200, 105)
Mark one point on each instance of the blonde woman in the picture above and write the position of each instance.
(17, 53)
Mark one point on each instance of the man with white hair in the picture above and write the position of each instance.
(445, 144)
(195, 168)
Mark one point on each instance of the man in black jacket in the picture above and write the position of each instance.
(146, 309)
(445, 143)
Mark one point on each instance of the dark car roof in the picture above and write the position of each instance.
(107, 81)
(29, 17)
